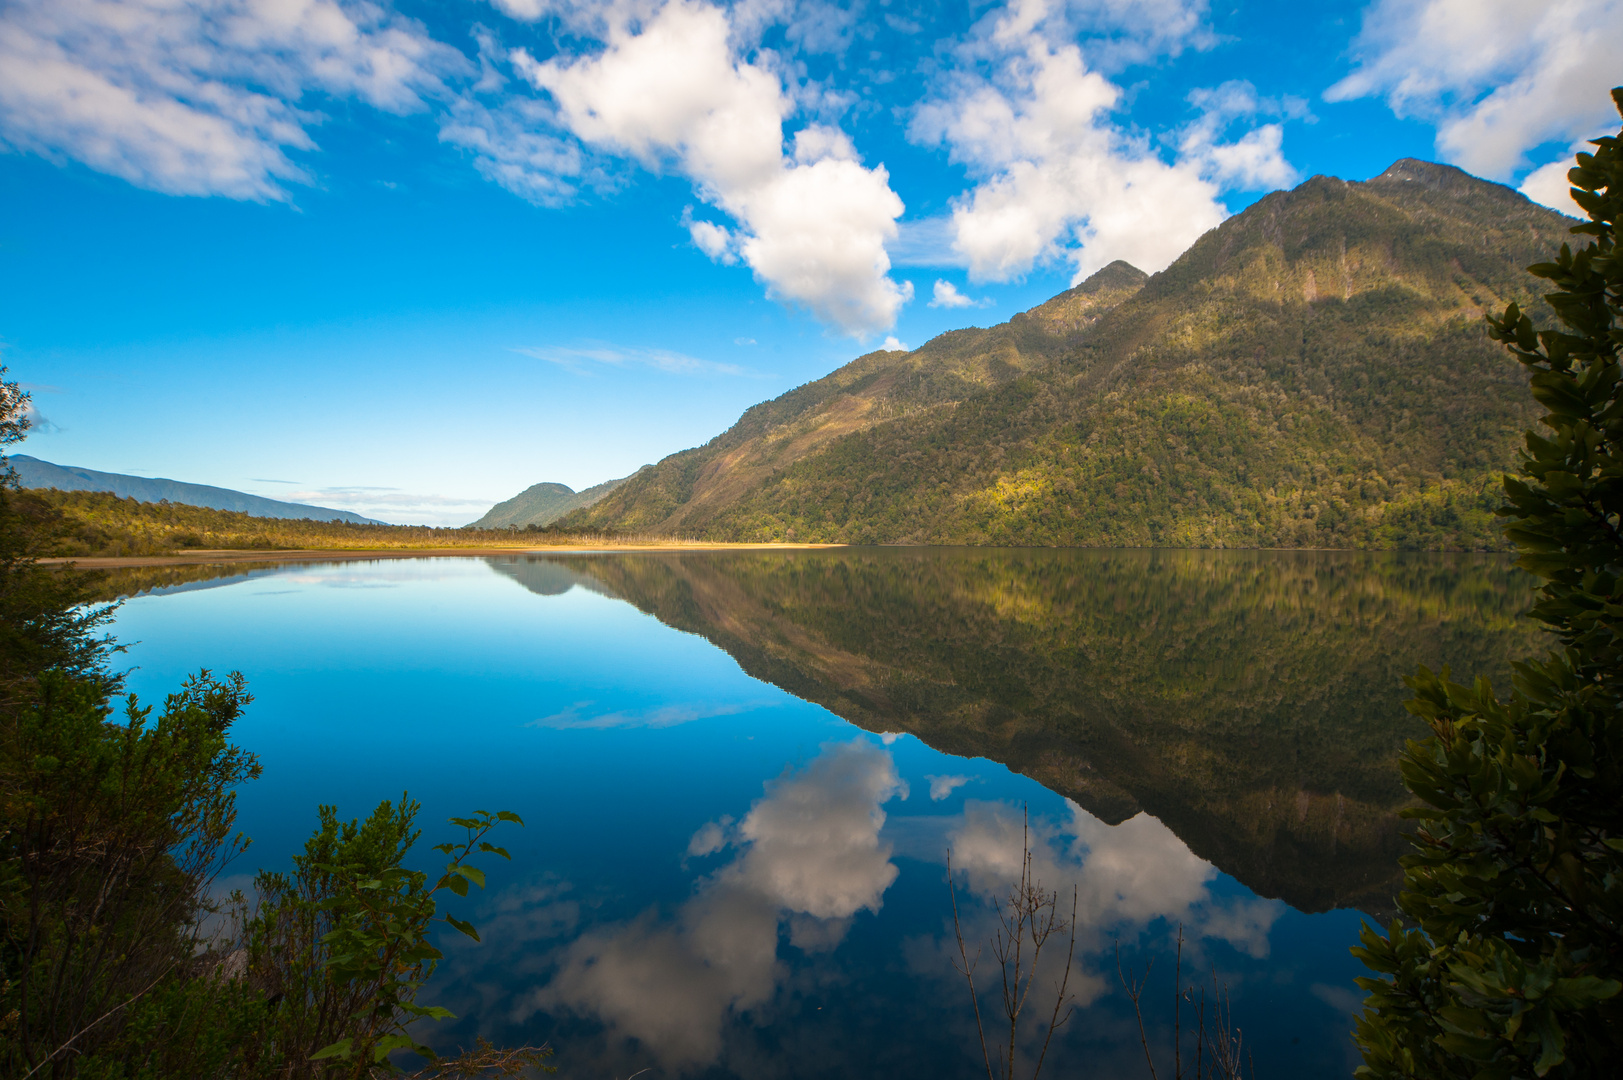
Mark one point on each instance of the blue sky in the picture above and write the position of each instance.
(409, 258)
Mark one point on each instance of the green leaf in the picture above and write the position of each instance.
(465, 927)
(340, 1049)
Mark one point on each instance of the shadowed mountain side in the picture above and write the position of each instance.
(34, 473)
(542, 504)
(1251, 701)
(1314, 372)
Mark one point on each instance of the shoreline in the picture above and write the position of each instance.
(207, 556)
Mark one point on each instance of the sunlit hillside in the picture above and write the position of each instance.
(1313, 373)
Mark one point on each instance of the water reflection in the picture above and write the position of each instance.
(1250, 700)
(806, 856)
(1204, 739)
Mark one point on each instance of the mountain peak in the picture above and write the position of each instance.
(542, 504)
(1081, 305)
(1430, 174)
(1118, 275)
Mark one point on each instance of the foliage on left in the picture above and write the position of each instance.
(117, 959)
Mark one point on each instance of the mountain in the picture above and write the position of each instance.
(1251, 701)
(542, 504)
(34, 473)
(1314, 372)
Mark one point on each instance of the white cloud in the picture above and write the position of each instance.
(1130, 31)
(814, 841)
(1057, 178)
(510, 135)
(1131, 873)
(202, 98)
(674, 93)
(946, 295)
(809, 853)
(1548, 184)
(894, 344)
(1253, 161)
(943, 786)
(714, 240)
(388, 504)
(580, 360)
(1499, 78)
(524, 10)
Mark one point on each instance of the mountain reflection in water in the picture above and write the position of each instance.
(720, 880)
(1250, 700)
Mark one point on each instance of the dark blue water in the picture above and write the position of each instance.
(742, 776)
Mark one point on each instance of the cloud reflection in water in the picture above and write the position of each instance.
(809, 851)
(813, 853)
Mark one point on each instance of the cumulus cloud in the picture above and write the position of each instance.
(672, 91)
(943, 786)
(1130, 874)
(1256, 159)
(808, 853)
(202, 98)
(1548, 184)
(1499, 78)
(946, 295)
(1057, 178)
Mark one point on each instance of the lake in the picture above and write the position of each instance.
(743, 773)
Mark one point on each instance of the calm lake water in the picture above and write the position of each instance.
(743, 773)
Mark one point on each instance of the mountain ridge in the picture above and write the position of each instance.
(1311, 373)
(543, 503)
(32, 472)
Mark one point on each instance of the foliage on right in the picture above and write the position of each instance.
(1510, 963)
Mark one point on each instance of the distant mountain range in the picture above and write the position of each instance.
(34, 473)
(544, 503)
(1314, 372)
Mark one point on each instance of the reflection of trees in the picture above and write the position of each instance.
(1249, 700)
(130, 581)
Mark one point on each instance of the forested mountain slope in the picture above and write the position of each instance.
(542, 504)
(1313, 372)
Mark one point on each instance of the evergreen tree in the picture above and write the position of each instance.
(1511, 961)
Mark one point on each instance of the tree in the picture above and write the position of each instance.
(43, 625)
(112, 831)
(1512, 960)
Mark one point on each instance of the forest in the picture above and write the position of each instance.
(86, 524)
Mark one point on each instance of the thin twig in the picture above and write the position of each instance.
(968, 969)
(96, 1021)
(1054, 1021)
(1134, 991)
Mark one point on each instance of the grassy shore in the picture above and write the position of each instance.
(96, 527)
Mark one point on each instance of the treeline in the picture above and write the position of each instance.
(99, 523)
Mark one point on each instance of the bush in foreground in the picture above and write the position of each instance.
(1512, 961)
